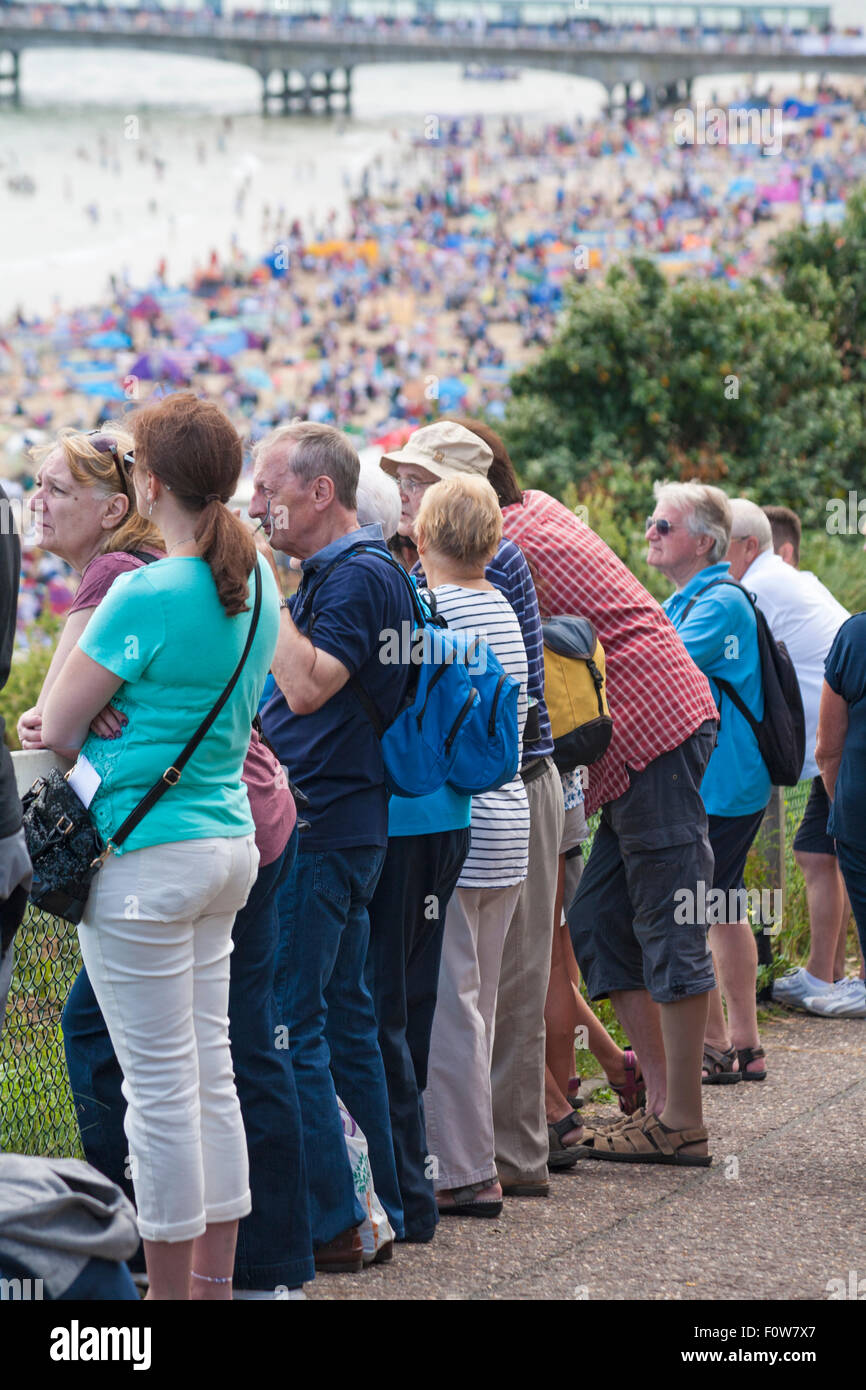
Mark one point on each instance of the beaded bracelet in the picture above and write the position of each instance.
(210, 1278)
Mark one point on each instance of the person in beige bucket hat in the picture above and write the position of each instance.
(443, 449)
(432, 453)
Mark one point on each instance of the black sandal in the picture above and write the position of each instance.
(720, 1066)
(564, 1155)
(745, 1055)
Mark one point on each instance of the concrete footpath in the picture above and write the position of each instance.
(779, 1215)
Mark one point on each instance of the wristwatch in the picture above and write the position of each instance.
(284, 603)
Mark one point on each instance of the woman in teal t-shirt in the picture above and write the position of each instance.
(156, 935)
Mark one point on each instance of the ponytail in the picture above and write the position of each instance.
(195, 451)
(230, 551)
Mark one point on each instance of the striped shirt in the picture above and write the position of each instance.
(499, 849)
(656, 693)
(510, 574)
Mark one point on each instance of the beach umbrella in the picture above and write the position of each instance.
(452, 392)
(395, 439)
(109, 338)
(146, 308)
(225, 346)
(258, 377)
(105, 390)
(158, 366)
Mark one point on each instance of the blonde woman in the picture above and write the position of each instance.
(85, 512)
(458, 530)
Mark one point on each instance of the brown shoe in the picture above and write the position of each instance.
(525, 1187)
(383, 1255)
(342, 1255)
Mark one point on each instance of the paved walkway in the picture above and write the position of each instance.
(779, 1214)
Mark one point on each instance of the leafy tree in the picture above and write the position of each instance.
(644, 380)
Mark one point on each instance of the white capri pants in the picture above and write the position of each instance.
(156, 940)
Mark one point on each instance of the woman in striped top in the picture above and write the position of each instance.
(459, 527)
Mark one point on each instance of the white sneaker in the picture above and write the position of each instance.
(794, 988)
(847, 999)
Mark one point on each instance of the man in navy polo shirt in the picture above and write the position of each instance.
(305, 482)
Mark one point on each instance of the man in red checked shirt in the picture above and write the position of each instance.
(652, 841)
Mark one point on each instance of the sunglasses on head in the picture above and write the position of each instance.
(107, 444)
(662, 525)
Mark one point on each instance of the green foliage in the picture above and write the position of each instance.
(759, 389)
(29, 667)
(824, 270)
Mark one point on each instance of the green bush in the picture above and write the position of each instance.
(29, 667)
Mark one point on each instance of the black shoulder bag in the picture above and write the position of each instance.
(64, 846)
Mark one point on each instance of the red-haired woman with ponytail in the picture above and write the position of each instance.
(156, 934)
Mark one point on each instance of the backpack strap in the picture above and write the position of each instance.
(725, 686)
(424, 612)
(364, 548)
(733, 583)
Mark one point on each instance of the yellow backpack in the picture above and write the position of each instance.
(574, 692)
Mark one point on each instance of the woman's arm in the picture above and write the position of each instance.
(83, 690)
(30, 723)
(832, 729)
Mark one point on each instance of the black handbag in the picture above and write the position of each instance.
(64, 846)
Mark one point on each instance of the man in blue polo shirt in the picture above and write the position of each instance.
(305, 482)
(688, 537)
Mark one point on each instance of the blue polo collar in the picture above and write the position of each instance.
(363, 535)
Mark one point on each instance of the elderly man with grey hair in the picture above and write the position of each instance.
(804, 615)
(688, 537)
(305, 483)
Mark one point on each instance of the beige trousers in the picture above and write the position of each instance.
(518, 1051)
(457, 1103)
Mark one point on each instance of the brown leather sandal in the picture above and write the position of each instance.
(719, 1067)
(604, 1126)
(745, 1055)
(649, 1141)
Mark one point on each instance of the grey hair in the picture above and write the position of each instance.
(315, 450)
(748, 519)
(378, 499)
(706, 509)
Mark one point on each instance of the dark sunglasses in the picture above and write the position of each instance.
(663, 526)
(106, 444)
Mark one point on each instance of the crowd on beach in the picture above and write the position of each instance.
(445, 277)
(324, 1006)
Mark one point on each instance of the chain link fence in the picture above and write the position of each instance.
(37, 1114)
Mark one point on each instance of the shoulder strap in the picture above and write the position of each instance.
(725, 686)
(733, 583)
(423, 613)
(144, 556)
(362, 548)
(171, 776)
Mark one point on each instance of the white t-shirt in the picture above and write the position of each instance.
(804, 615)
(499, 849)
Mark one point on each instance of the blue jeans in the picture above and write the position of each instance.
(324, 1001)
(274, 1242)
(99, 1280)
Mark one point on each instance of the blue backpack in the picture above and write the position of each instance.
(454, 719)
(489, 753)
